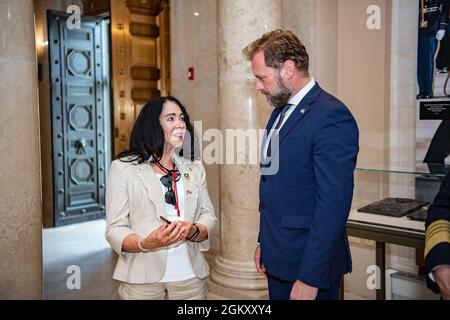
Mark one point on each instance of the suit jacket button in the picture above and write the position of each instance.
(262, 206)
(263, 179)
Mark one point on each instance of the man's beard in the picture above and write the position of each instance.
(281, 94)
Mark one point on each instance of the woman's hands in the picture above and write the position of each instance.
(190, 230)
(165, 235)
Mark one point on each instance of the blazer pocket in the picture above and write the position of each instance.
(296, 221)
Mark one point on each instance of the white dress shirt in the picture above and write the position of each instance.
(431, 275)
(178, 267)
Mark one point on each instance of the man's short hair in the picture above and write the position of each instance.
(279, 46)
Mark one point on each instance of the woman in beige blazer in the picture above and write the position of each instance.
(151, 182)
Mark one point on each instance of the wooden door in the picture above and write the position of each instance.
(140, 60)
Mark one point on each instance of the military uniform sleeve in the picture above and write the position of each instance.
(437, 239)
(444, 17)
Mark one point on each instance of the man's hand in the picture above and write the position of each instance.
(301, 291)
(258, 264)
(442, 277)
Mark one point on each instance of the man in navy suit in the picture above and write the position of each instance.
(304, 205)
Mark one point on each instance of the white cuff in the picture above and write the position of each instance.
(431, 275)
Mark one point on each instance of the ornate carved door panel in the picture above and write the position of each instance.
(79, 93)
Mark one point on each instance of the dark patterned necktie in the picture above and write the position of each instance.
(282, 115)
(277, 126)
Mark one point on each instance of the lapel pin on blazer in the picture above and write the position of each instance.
(303, 110)
(186, 175)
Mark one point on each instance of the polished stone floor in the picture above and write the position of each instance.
(81, 245)
(84, 246)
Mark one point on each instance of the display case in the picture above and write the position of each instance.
(390, 205)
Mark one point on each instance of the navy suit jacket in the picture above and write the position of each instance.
(304, 206)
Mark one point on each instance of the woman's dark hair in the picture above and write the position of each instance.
(147, 135)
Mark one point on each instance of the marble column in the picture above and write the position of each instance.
(402, 116)
(240, 107)
(403, 82)
(20, 186)
(301, 16)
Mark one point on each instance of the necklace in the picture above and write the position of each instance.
(175, 173)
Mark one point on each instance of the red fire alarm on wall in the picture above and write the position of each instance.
(191, 73)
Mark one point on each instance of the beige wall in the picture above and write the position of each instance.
(326, 44)
(20, 185)
(194, 44)
(300, 17)
(315, 22)
(362, 73)
(349, 60)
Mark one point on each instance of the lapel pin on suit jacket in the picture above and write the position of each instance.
(302, 110)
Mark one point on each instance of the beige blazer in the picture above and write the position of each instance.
(134, 202)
